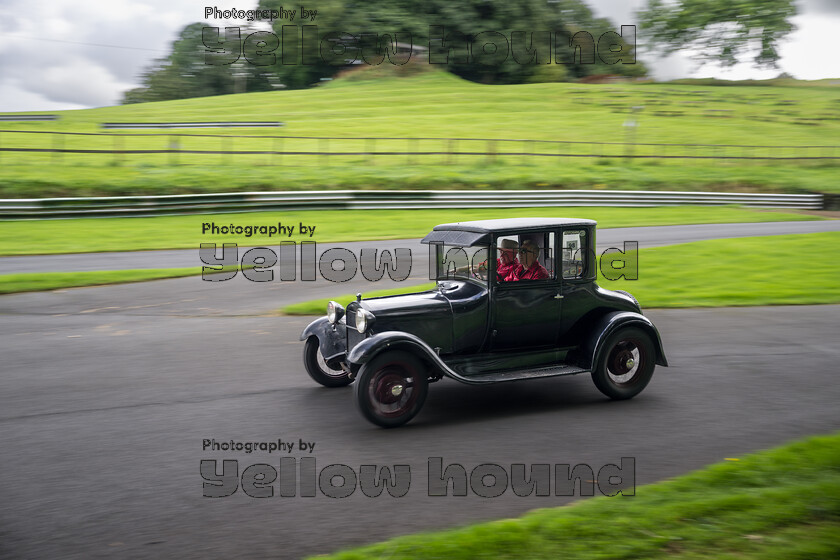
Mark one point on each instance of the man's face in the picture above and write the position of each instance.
(507, 256)
(527, 256)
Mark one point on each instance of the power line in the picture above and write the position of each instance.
(85, 44)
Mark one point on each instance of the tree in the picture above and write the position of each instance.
(719, 30)
(185, 73)
(471, 22)
(296, 59)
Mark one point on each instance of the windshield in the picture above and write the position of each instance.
(461, 263)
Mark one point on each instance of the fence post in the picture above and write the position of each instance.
(371, 150)
(453, 144)
(323, 146)
(173, 149)
(491, 151)
(117, 149)
(413, 147)
(58, 144)
(282, 149)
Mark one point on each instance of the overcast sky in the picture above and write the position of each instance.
(60, 54)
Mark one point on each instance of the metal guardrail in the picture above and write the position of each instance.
(21, 118)
(215, 124)
(46, 208)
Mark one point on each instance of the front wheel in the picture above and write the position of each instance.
(318, 369)
(625, 364)
(391, 388)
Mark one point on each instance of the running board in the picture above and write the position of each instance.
(516, 375)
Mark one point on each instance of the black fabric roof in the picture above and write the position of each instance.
(504, 224)
(457, 238)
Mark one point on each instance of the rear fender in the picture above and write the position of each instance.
(591, 349)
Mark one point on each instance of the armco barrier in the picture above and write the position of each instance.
(213, 124)
(26, 118)
(45, 208)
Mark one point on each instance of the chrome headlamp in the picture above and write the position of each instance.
(334, 312)
(363, 320)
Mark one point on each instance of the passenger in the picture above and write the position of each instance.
(530, 269)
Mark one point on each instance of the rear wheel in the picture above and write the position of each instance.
(625, 365)
(318, 369)
(391, 388)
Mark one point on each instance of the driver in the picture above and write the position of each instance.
(506, 265)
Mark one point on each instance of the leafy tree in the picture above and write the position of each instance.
(185, 73)
(720, 30)
(475, 22)
(515, 27)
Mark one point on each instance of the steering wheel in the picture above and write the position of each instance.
(480, 272)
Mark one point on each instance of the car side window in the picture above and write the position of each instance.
(525, 257)
(574, 253)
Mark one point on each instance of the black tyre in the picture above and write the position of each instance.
(625, 365)
(391, 388)
(318, 369)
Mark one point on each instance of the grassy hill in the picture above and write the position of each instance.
(438, 105)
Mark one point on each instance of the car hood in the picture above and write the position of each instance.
(430, 303)
(427, 315)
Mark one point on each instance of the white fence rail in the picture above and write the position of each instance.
(45, 208)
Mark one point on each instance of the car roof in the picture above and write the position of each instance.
(492, 226)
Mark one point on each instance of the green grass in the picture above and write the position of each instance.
(184, 232)
(44, 281)
(776, 270)
(439, 105)
(778, 504)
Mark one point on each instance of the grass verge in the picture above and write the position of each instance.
(44, 281)
(438, 105)
(776, 270)
(782, 503)
(185, 232)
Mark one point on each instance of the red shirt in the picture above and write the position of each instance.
(513, 268)
(536, 272)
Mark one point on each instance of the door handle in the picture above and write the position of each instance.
(558, 296)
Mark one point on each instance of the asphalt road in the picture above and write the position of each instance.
(106, 395)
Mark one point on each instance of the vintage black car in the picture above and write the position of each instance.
(515, 299)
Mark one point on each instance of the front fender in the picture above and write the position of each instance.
(332, 339)
(608, 324)
(364, 351)
(390, 340)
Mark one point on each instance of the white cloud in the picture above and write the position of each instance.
(14, 99)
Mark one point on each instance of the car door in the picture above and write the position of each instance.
(576, 264)
(526, 313)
